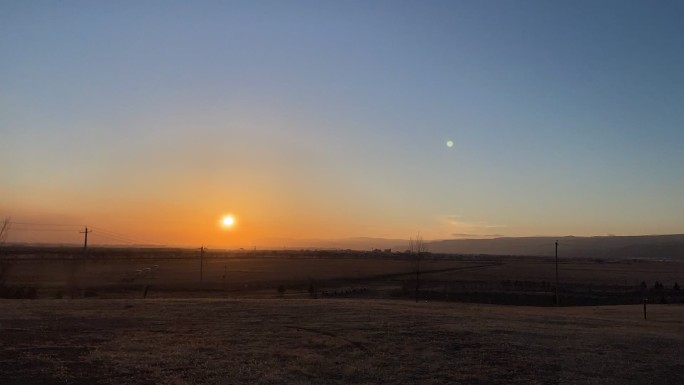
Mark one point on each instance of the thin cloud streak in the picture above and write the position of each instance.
(478, 236)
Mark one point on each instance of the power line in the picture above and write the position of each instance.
(45, 224)
(110, 239)
(119, 235)
(39, 229)
(42, 227)
(92, 230)
(98, 234)
(100, 229)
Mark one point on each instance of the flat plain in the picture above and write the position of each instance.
(480, 279)
(335, 341)
(356, 319)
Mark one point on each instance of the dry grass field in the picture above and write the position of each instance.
(500, 280)
(236, 276)
(335, 341)
(237, 270)
(364, 327)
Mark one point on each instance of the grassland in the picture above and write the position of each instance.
(335, 341)
(503, 280)
(361, 324)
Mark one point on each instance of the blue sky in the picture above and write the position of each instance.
(329, 119)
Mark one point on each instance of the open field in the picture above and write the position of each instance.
(122, 273)
(237, 276)
(338, 341)
(359, 324)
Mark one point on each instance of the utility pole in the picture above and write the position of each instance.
(201, 265)
(417, 278)
(557, 303)
(85, 240)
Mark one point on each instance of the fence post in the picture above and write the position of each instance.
(645, 300)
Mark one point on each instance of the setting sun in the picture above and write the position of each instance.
(228, 221)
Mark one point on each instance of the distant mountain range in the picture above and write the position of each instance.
(358, 243)
(608, 247)
(605, 247)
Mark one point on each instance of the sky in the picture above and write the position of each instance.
(151, 120)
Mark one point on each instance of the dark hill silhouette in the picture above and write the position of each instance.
(605, 247)
(670, 247)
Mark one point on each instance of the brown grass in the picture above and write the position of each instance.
(198, 341)
(242, 273)
(522, 281)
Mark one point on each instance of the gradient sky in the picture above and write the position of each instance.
(329, 119)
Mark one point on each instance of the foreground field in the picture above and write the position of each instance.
(334, 341)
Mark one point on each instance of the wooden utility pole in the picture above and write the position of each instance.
(557, 303)
(85, 239)
(225, 273)
(201, 266)
(417, 278)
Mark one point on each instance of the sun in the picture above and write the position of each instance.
(227, 221)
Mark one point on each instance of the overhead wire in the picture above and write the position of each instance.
(119, 235)
(44, 224)
(93, 231)
(113, 237)
(39, 229)
(100, 235)
(42, 227)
